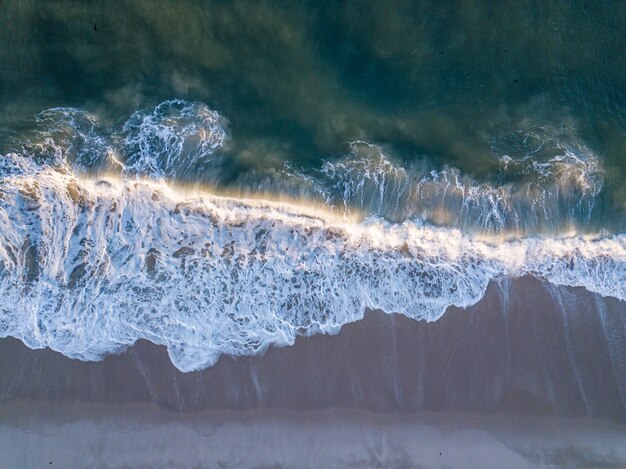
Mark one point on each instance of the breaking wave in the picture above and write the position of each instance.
(99, 248)
(177, 138)
(90, 265)
(536, 195)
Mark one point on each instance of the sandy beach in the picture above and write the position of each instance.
(530, 375)
(142, 435)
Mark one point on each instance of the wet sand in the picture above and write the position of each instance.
(142, 435)
(531, 375)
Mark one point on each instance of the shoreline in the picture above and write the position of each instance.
(515, 351)
(528, 377)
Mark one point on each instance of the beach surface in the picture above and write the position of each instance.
(142, 435)
(532, 375)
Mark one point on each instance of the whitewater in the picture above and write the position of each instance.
(92, 261)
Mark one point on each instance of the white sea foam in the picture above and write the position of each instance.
(88, 266)
(65, 137)
(551, 194)
(176, 138)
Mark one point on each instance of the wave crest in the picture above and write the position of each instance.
(550, 195)
(177, 138)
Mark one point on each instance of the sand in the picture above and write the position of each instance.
(143, 435)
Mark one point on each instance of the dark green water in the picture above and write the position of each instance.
(434, 85)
